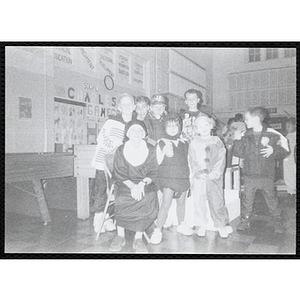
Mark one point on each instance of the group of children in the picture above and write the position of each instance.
(189, 157)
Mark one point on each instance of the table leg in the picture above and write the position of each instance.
(83, 198)
(41, 201)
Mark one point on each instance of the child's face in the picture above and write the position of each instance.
(135, 133)
(203, 127)
(251, 121)
(158, 110)
(232, 126)
(290, 127)
(141, 108)
(172, 128)
(126, 106)
(192, 101)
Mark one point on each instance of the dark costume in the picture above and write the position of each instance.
(129, 213)
(173, 172)
(259, 171)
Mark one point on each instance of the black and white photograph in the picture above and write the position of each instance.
(150, 149)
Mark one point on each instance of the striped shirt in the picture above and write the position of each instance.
(109, 139)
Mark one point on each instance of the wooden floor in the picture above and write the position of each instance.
(67, 234)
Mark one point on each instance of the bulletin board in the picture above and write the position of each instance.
(69, 123)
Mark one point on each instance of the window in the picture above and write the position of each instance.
(289, 52)
(254, 54)
(271, 53)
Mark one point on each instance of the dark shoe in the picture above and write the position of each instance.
(117, 244)
(139, 246)
(279, 227)
(245, 224)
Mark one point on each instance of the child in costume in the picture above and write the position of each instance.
(109, 139)
(135, 169)
(173, 175)
(207, 156)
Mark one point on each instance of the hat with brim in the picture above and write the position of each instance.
(158, 99)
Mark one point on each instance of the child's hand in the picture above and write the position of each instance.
(238, 135)
(137, 192)
(267, 151)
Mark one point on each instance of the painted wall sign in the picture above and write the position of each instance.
(116, 70)
(63, 54)
(107, 60)
(109, 82)
(123, 68)
(98, 112)
(138, 73)
(87, 59)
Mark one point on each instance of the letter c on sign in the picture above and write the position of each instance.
(69, 95)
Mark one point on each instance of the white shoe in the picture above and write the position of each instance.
(229, 229)
(168, 224)
(109, 224)
(184, 229)
(156, 237)
(201, 232)
(223, 232)
(97, 221)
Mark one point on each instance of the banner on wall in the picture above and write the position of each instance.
(138, 73)
(123, 68)
(63, 56)
(86, 58)
(107, 60)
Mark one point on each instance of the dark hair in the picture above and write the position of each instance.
(197, 92)
(172, 117)
(258, 111)
(140, 99)
(291, 120)
(176, 121)
(239, 117)
(231, 120)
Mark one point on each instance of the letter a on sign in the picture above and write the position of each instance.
(87, 98)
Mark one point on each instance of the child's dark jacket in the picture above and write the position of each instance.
(255, 165)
